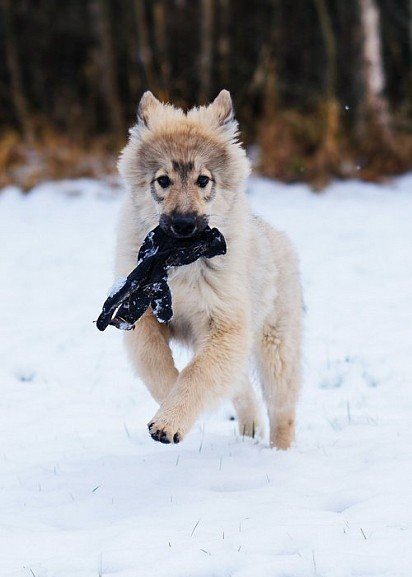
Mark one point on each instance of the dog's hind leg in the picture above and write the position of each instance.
(151, 356)
(248, 412)
(279, 367)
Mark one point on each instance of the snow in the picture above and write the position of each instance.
(116, 286)
(124, 326)
(158, 308)
(84, 490)
(149, 250)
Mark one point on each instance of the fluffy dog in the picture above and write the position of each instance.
(184, 171)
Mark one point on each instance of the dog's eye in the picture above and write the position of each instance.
(164, 181)
(202, 181)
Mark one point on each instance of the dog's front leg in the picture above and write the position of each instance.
(214, 370)
(149, 351)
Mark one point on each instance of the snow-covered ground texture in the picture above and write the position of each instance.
(84, 490)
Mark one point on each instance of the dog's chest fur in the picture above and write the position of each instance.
(195, 293)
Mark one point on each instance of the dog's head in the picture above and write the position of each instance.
(187, 167)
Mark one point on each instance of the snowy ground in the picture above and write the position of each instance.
(84, 491)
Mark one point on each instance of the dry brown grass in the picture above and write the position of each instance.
(50, 157)
(294, 147)
(384, 154)
(315, 148)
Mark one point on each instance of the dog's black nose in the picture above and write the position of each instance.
(183, 226)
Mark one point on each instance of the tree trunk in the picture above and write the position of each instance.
(327, 159)
(205, 65)
(13, 65)
(145, 53)
(223, 43)
(106, 64)
(375, 109)
(330, 47)
(263, 82)
(160, 35)
(410, 35)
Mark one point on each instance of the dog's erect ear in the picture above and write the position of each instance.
(148, 104)
(222, 107)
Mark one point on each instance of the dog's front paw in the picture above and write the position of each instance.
(165, 431)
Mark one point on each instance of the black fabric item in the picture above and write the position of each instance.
(147, 284)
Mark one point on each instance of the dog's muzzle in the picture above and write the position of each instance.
(183, 225)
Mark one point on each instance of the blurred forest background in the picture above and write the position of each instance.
(322, 88)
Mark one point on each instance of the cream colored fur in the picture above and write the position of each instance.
(228, 309)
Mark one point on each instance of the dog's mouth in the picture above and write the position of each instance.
(184, 226)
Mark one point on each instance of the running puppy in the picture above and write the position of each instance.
(185, 171)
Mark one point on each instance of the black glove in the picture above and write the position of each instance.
(147, 284)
